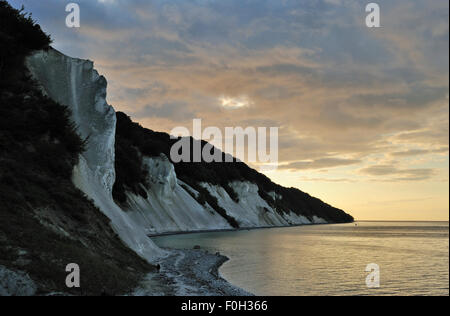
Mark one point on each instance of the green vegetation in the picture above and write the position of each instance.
(133, 175)
(19, 35)
(45, 222)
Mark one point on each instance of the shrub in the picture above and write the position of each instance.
(19, 35)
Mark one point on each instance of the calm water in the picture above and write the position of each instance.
(331, 259)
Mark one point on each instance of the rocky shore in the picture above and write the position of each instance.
(189, 273)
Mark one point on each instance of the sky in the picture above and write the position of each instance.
(363, 113)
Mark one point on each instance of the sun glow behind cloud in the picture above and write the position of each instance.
(234, 103)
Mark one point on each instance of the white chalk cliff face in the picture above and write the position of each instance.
(170, 205)
(75, 83)
(252, 210)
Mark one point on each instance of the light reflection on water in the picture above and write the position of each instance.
(331, 259)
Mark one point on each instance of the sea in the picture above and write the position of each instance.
(357, 259)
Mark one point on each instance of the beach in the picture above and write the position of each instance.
(188, 273)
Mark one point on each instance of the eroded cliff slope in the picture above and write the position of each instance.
(45, 221)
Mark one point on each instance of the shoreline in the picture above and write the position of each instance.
(194, 272)
(163, 234)
(189, 273)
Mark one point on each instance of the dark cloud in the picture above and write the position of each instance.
(392, 173)
(417, 152)
(319, 164)
(327, 179)
(177, 111)
(417, 97)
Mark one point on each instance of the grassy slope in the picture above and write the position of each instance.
(45, 222)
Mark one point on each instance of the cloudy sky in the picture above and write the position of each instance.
(363, 113)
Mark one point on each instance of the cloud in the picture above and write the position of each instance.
(430, 136)
(334, 87)
(392, 173)
(323, 179)
(319, 163)
(415, 97)
(417, 152)
(177, 111)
